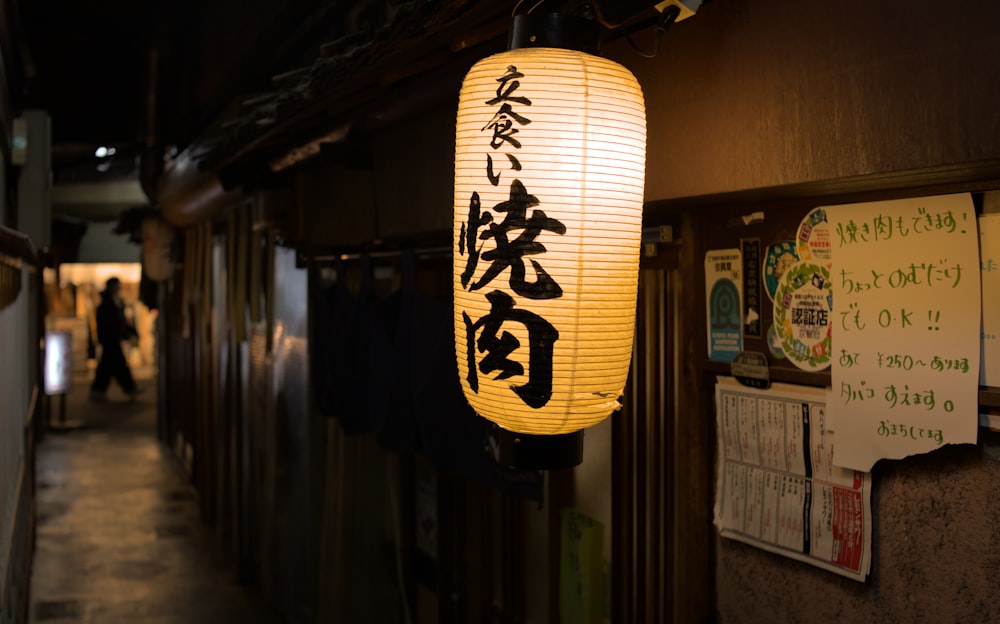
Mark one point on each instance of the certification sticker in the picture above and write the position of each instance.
(803, 313)
(777, 259)
(813, 238)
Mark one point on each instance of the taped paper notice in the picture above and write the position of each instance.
(989, 265)
(906, 338)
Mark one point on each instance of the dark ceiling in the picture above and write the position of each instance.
(145, 77)
(242, 83)
(85, 66)
(134, 75)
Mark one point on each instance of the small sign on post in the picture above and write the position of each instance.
(58, 362)
(59, 375)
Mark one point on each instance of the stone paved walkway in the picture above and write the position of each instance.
(119, 538)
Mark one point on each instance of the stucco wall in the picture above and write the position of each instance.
(935, 556)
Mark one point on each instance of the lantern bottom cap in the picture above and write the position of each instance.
(529, 451)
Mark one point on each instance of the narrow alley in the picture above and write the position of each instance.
(500, 312)
(119, 537)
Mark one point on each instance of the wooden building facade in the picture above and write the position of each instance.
(304, 379)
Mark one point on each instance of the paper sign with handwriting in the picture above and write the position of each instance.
(989, 265)
(906, 286)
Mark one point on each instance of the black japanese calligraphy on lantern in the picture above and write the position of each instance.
(494, 178)
(508, 252)
(505, 236)
(468, 236)
(498, 345)
(502, 125)
(502, 122)
(508, 84)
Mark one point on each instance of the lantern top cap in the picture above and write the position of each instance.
(554, 30)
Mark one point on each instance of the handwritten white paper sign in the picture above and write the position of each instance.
(906, 284)
(989, 262)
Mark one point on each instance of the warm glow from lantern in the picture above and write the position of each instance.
(552, 143)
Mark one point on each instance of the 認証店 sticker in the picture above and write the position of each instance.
(803, 313)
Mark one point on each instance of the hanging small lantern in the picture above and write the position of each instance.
(549, 177)
(157, 242)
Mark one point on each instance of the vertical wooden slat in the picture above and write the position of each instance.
(471, 561)
(448, 543)
(693, 447)
(195, 328)
(518, 606)
(508, 554)
(620, 530)
(270, 244)
(653, 309)
(640, 506)
(488, 549)
(255, 273)
(244, 447)
(510, 606)
(560, 495)
(242, 271)
(222, 355)
(670, 359)
(644, 496)
(649, 494)
(206, 380)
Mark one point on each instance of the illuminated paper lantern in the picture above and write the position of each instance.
(549, 176)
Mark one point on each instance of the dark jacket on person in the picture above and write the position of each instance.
(112, 327)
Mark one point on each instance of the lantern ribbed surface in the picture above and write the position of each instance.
(549, 176)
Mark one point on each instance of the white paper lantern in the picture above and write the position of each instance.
(157, 241)
(549, 175)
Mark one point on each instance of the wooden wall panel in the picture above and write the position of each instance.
(338, 206)
(751, 94)
(415, 174)
(662, 560)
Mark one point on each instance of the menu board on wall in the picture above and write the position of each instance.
(906, 328)
(776, 485)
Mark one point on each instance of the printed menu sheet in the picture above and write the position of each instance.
(776, 485)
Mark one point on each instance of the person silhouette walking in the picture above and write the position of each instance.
(112, 329)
